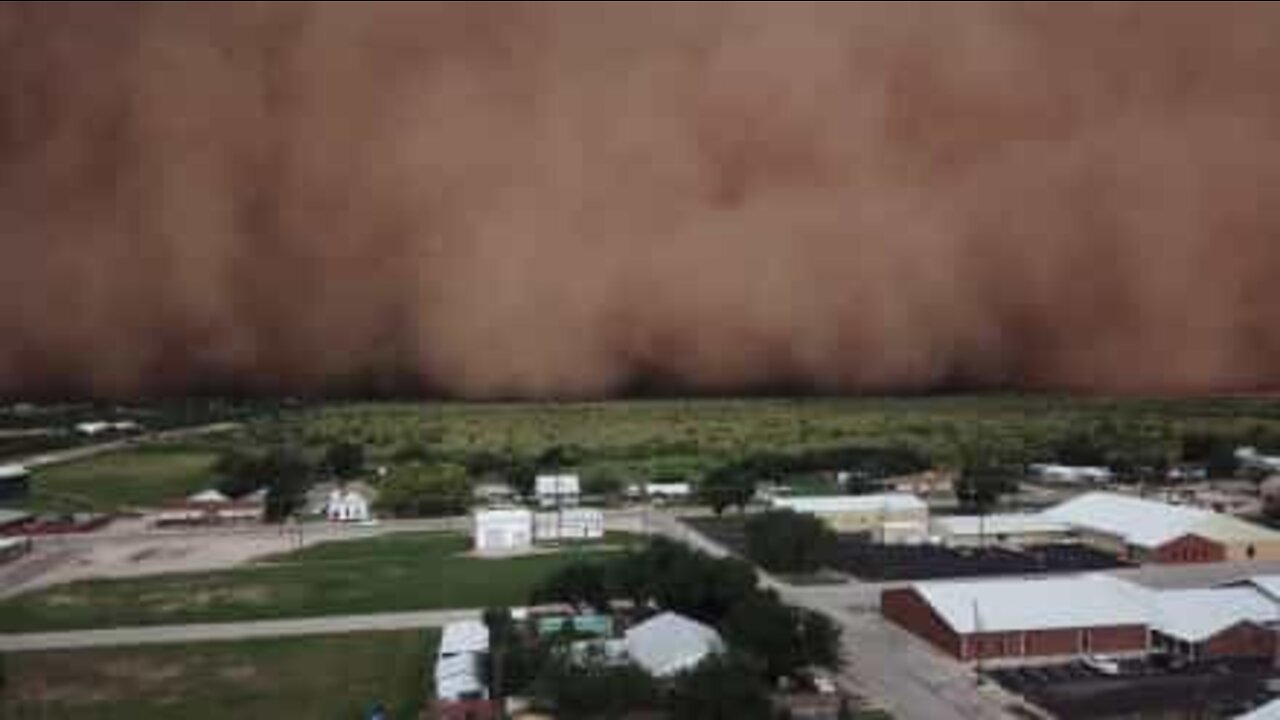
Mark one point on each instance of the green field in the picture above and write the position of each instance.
(318, 678)
(410, 571)
(137, 477)
(686, 437)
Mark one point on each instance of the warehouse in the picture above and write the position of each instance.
(887, 517)
(1013, 530)
(1024, 620)
(1149, 531)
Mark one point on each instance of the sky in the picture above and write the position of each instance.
(585, 200)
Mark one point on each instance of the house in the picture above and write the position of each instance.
(670, 643)
(929, 482)
(1071, 474)
(506, 530)
(557, 490)
(350, 502)
(886, 517)
(569, 524)
(211, 507)
(1149, 531)
(15, 481)
(1030, 619)
(1014, 529)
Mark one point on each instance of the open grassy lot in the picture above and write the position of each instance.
(687, 436)
(137, 477)
(318, 678)
(410, 571)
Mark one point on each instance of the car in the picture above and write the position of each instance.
(1101, 664)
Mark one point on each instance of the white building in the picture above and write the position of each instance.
(667, 644)
(459, 666)
(1072, 474)
(503, 530)
(347, 504)
(1000, 529)
(668, 491)
(887, 517)
(569, 524)
(557, 490)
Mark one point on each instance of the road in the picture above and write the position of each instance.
(886, 664)
(55, 457)
(162, 634)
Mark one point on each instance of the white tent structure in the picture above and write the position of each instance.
(667, 644)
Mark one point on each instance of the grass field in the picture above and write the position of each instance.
(318, 678)
(138, 477)
(688, 436)
(410, 571)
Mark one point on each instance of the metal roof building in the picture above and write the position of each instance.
(669, 643)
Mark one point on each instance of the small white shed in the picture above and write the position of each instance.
(503, 530)
(557, 490)
(347, 504)
(569, 524)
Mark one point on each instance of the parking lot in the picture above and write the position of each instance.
(1142, 691)
(875, 562)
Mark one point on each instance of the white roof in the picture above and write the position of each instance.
(8, 542)
(1268, 585)
(1270, 711)
(883, 502)
(667, 488)
(10, 472)
(1010, 524)
(668, 643)
(1197, 615)
(1029, 604)
(464, 636)
(1149, 524)
(458, 675)
(208, 496)
(504, 516)
(557, 485)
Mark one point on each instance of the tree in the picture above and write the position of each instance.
(978, 492)
(501, 639)
(786, 541)
(721, 687)
(820, 640)
(594, 689)
(782, 639)
(723, 489)
(580, 584)
(426, 490)
(288, 476)
(239, 472)
(344, 459)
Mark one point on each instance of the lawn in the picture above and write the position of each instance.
(137, 477)
(409, 571)
(331, 677)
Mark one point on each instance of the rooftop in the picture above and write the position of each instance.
(1149, 524)
(998, 524)
(1029, 604)
(882, 502)
(464, 636)
(557, 485)
(668, 643)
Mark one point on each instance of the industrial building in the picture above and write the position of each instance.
(1027, 620)
(461, 689)
(1148, 531)
(887, 517)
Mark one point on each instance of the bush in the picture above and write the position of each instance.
(721, 687)
(425, 491)
(790, 542)
(595, 690)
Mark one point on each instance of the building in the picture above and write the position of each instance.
(99, 427)
(668, 491)
(670, 643)
(461, 691)
(1149, 531)
(1016, 530)
(576, 523)
(211, 507)
(1251, 459)
(350, 502)
(1071, 474)
(1029, 620)
(502, 531)
(929, 482)
(493, 492)
(15, 481)
(12, 521)
(557, 490)
(887, 517)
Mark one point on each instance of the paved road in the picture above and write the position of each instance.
(160, 634)
(84, 451)
(885, 664)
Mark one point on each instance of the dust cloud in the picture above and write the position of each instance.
(582, 200)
